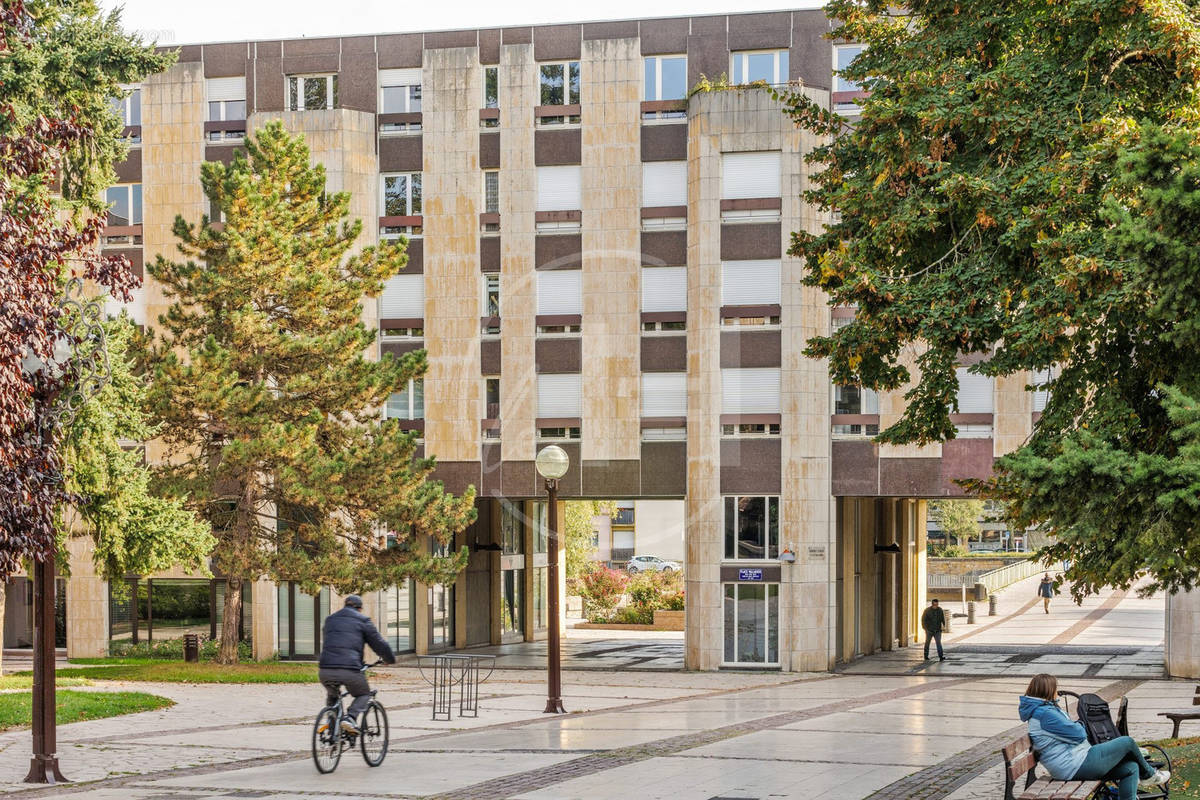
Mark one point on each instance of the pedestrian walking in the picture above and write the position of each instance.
(933, 621)
(1046, 591)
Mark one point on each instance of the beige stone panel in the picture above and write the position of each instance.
(87, 601)
(1012, 420)
(892, 405)
(1182, 635)
(610, 179)
(451, 187)
(518, 280)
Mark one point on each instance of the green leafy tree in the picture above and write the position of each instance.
(1017, 187)
(958, 518)
(269, 407)
(577, 534)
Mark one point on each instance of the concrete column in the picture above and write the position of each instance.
(1182, 650)
(87, 603)
(264, 620)
(887, 565)
(1013, 416)
(527, 624)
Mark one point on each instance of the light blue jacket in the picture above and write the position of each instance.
(1061, 744)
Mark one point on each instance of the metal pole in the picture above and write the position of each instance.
(43, 767)
(554, 704)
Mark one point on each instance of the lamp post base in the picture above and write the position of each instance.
(44, 769)
(554, 706)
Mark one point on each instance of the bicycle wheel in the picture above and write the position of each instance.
(327, 740)
(374, 737)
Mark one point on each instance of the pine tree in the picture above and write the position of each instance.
(268, 405)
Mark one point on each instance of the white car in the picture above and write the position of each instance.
(651, 564)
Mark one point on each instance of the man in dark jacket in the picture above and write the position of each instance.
(342, 638)
(932, 621)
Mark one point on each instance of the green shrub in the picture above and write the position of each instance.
(173, 649)
(634, 615)
(601, 589)
(652, 591)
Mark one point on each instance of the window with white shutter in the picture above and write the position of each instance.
(136, 307)
(750, 283)
(560, 291)
(750, 391)
(974, 392)
(664, 183)
(558, 189)
(664, 288)
(403, 297)
(1041, 395)
(747, 175)
(664, 394)
(560, 396)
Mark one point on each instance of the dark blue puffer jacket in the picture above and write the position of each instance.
(343, 636)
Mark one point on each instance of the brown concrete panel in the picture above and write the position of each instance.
(562, 251)
(416, 257)
(664, 142)
(760, 31)
(451, 39)
(398, 349)
(272, 48)
(556, 148)
(855, 468)
(457, 475)
(811, 56)
(316, 62)
(489, 46)
(489, 150)
(523, 35)
(751, 348)
(770, 574)
(491, 470)
(910, 477)
(221, 152)
(225, 60)
(399, 50)
(555, 42)
(710, 24)
(743, 242)
(664, 248)
(312, 47)
(132, 254)
(518, 478)
(664, 469)
(358, 44)
(401, 153)
(558, 355)
(612, 478)
(750, 466)
(190, 52)
(965, 458)
(707, 55)
(664, 36)
(268, 85)
(358, 82)
(569, 485)
(489, 253)
(130, 170)
(664, 353)
(489, 356)
(623, 29)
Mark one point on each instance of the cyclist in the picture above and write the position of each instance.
(342, 638)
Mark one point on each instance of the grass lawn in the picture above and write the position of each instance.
(16, 709)
(25, 681)
(1185, 766)
(145, 669)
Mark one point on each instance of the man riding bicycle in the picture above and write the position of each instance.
(343, 636)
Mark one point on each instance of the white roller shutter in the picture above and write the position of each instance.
(226, 88)
(745, 175)
(400, 77)
(560, 396)
(560, 291)
(750, 391)
(403, 297)
(664, 394)
(1041, 396)
(558, 189)
(136, 307)
(664, 183)
(664, 288)
(750, 283)
(974, 392)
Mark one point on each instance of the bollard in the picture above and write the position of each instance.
(992, 600)
(971, 612)
(191, 647)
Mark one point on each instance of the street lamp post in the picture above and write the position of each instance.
(552, 463)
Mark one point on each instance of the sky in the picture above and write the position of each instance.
(177, 22)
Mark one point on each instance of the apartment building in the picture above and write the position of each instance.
(596, 260)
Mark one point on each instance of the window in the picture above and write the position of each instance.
(491, 87)
(624, 516)
(974, 392)
(408, 403)
(491, 398)
(312, 92)
(664, 289)
(491, 191)
(558, 189)
(665, 78)
(491, 295)
(226, 103)
(1041, 380)
(744, 430)
(560, 396)
(750, 175)
(560, 291)
(664, 183)
(399, 91)
(664, 434)
(751, 629)
(558, 434)
(843, 55)
(402, 333)
(125, 204)
(559, 83)
(136, 307)
(129, 109)
(973, 431)
(664, 394)
(750, 391)
(770, 66)
(403, 297)
(400, 196)
(856, 430)
(750, 283)
(855, 400)
(751, 527)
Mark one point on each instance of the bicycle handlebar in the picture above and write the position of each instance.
(366, 667)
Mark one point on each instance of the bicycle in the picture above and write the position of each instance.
(329, 740)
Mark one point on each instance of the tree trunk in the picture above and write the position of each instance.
(230, 622)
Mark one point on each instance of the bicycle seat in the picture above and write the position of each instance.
(374, 692)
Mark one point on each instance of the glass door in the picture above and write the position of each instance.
(751, 616)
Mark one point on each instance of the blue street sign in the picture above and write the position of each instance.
(750, 574)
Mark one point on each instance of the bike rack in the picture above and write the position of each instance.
(450, 669)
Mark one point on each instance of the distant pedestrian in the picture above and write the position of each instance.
(1046, 591)
(933, 621)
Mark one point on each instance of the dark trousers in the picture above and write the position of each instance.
(937, 637)
(355, 682)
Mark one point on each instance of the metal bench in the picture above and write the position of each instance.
(1177, 717)
(1019, 761)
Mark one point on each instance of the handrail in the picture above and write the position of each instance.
(1010, 573)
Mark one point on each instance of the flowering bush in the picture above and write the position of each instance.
(652, 591)
(601, 589)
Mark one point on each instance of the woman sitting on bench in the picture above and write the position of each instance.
(1062, 746)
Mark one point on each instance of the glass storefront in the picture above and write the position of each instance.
(157, 609)
(512, 601)
(441, 608)
(540, 582)
(300, 619)
(396, 605)
(512, 572)
(751, 612)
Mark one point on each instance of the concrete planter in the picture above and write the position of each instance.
(668, 620)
